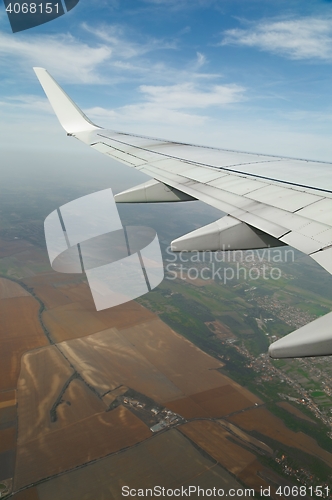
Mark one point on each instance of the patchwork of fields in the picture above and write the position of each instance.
(76, 387)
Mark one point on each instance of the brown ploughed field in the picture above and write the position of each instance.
(9, 289)
(20, 331)
(262, 421)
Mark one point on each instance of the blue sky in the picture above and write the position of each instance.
(251, 75)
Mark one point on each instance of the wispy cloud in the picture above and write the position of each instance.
(144, 113)
(188, 95)
(62, 54)
(305, 38)
(201, 60)
(28, 102)
(172, 104)
(108, 53)
(182, 4)
(116, 37)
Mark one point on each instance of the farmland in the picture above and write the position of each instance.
(219, 443)
(172, 347)
(9, 289)
(107, 360)
(71, 312)
(168, 460)
(18, 333)
(213, 403)
(76, 444)
(213, 438)
(36, 395)
(263, 422)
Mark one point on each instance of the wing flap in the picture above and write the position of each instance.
(324, 258)
(151, 192)
(314, 339)
(224, 234)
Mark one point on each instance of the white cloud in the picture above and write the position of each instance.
(61, 54)
(108, 54)
(306, 38)
(201, 60)
(182, 4)
(125, 48)
(144, 113)
(28, 102)
(172, 104)
(187, 95)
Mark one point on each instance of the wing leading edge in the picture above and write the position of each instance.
(265, 203)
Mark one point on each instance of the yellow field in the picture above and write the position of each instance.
(107, 360)
(43, 375)
(77, 444)
(20, 331)
(78, 403)
(111, 396)
(213, 438)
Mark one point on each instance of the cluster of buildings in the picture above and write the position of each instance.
(292, 316)
(167, 419)
(162, 417)
(304, 477)
(269, 372)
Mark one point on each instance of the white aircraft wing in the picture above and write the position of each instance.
(269, 200)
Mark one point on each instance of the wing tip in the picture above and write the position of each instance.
(70, 116)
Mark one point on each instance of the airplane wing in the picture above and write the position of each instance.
(269, 200)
